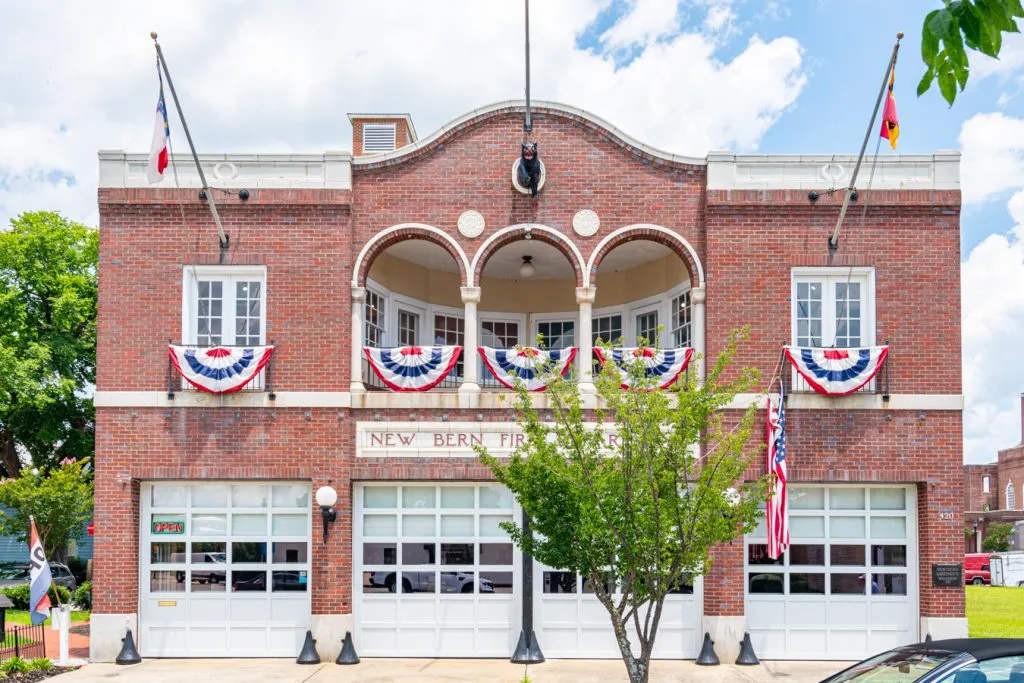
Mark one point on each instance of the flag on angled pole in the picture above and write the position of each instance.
(890, 122)
(160, 146)
(777, 509)
(40, 579)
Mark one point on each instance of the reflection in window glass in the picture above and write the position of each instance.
(588, 587)
(167, 581)
(807, 584)
(456, 553)
(456, 525)
(418, 582)
(418, 497)
(248, 581)
(419, 553)
(889, 527)
(209, 552)
(846, 499)
(802, 555)
(380, 497)
(889, 555)
(209, 525)
(378, 582)
(209, 582)
(888, 499)
(209, 495)
(377, 553)
(162, 553)
(169, 496)
(490, 525)
(559, 582)
(757, 553)
(457, 497)
(801, 498)
(289, 525)
(806, 527)
(457, 582)
(765, 583)
(249, 496)
(380, 525)
(495, 553)
(290, 496)
(495, 498)
(846, 527)
(495, 582)
(847, 584)
(248, 525)
(889, 584)
(418, 525)
(846, 555)
(289, 581)
(249, 552)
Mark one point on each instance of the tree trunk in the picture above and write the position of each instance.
(9, 453)
(638, 669)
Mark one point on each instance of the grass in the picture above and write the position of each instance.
(21, 616)
(995, 612)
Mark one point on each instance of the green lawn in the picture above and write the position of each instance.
(995, 612)
(20, 616)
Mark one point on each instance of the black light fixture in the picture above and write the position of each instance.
(527, 270)
(326, 497)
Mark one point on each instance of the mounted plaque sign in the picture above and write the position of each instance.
(947, 575)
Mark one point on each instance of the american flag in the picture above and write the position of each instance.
(776, 514)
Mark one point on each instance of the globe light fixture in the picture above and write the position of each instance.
(527, 270)
(326, 497)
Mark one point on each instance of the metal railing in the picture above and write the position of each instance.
(261, 383)
(24, 641)
(795, 383)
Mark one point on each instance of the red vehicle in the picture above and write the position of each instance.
(976, 569)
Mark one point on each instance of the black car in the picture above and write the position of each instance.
(977, 660)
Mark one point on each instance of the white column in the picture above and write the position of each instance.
(356, 373)
(471, 358)
(697, 296)
(585, 298)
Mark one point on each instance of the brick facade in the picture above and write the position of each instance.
(309, 241)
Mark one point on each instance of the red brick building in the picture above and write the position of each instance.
(995, 493)
(208, 538)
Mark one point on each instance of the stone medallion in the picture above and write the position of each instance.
(471, 224)
(586, 223)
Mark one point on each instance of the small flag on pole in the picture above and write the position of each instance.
(776, 513)
(158, 149)
(890, 122)
(40, 579)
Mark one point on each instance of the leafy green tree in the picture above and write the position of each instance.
(959, 26)
(60, 500)
(997, 540)
(47, 340)
(634, 493)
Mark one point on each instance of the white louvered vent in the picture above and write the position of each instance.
(378, 137)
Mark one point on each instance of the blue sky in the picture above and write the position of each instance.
(687, 76)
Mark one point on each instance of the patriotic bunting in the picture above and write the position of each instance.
(665, 364)
(837, 372)
(413, 368)
(534, 367)
(220, 370)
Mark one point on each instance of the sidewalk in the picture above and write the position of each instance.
(435, 670)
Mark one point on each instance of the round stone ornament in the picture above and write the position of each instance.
(471, 224)
(586, 223)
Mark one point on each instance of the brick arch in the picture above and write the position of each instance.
(400, 233)
(653, 233)
(516, 233)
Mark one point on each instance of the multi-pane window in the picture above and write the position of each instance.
(1011, 497)
(408, 328)
(557, 334)
(373, 314)
(499, 334)
(985, 484)
(647, 328)
(830, 310)
(450, 330)
(681, 334)
(224, 309)
(607, 329)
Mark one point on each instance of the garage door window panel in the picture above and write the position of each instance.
(167, 553)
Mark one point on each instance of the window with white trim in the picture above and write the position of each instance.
(680, 310)
(408, 328)
(832, 307)
(647, 328)
(224, 306)
(499, 334)
(373, 319)
(378, 137)
(557, 334)
(450, 330)
(1011, 497)
(986, 484)
(607, 329)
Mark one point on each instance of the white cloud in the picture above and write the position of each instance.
(1009, 64)
(260, 76)
(993, 155)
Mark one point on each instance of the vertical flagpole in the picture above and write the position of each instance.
(528, 123)
(224, 239)
(833, 242)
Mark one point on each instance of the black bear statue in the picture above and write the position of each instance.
(528, 173)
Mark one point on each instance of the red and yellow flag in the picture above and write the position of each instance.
(890, 122)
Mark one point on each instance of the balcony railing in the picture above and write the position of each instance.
(261, 383)
(795, 383)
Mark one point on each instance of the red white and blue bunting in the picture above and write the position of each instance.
(665, 365)
(413, 368)
(532, 366)
(220, 369)
(837, 372)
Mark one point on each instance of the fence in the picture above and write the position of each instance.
(25, 641)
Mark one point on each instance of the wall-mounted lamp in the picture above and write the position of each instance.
(326, 497)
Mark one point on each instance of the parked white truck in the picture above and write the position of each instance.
(1007, 569)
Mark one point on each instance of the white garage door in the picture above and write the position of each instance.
(571, 623)
(847, 587)
(224, 569)
(435, 576)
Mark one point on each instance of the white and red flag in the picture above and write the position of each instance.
(159, 148)
(40, 579)
(777, 508)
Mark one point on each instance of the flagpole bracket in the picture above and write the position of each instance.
(225, 245)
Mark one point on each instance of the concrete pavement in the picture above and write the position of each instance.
(435, 670)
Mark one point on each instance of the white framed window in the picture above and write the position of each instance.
(375, 332)
(679, 318)
(557, 330)
(408, 328)
(224, 305)
(378, 137)
(833, 307)
(1011, 497)
(647, 327)
(607, 329)
(501, 331)
(450, 330)
(986, 484)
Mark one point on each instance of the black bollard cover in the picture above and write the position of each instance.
(747, 656)
(348, 651)
(928, 638)
(308, 654)
(707, 656)
(527, 650)
(129, 654)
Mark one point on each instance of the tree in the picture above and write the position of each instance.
(620, 494)
(997, 540)
(47, 340)
(60, 500)
(975, 24)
